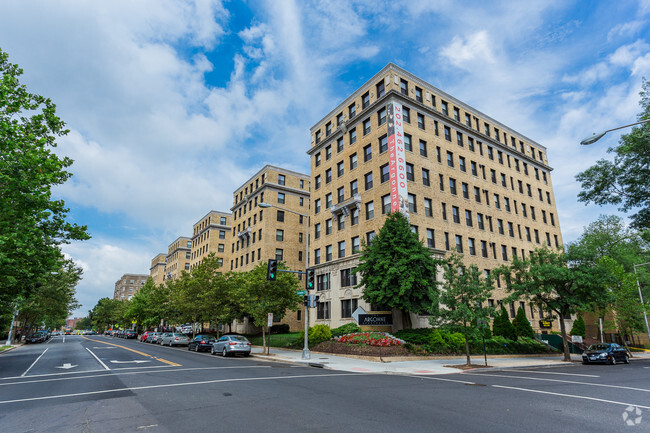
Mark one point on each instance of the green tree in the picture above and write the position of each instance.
(624, 181)
(579, 327)
(502, 325)
(462, 298)
(83, 324)
(397, 270)
(561, 283)
(522, 325)
(262, 297)
(107, 313)
(32, 224)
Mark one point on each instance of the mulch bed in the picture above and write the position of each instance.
(467, 367)
(339, 348)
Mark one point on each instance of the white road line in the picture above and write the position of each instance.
(573, 382)
(33, 363)
(444, 380)
(549, 372)
(205, 382)
(118, 372)
(98, 360)
(64, 338)
(570, 396)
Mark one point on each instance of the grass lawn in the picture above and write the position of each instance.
(276, 340)
(4, 348)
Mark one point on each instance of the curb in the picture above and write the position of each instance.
(10, 349)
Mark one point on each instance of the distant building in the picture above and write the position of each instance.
(157, 269)
(178, 257)
(128, 285)
(211, 234)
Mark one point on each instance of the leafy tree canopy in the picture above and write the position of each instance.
(32, 224)
(624, 181)
(397, 270)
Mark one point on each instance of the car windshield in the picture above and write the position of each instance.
(599, 347)
(238, 338)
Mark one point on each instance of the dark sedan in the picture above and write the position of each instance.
(201, 342)
(605, 352)
(37, 337)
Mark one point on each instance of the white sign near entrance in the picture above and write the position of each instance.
(356, 313)
(270, 320)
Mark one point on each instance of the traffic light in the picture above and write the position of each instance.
(309, 281)
(305, 300)
(272, 270)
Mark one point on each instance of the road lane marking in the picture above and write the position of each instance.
(67, 366)
(98, 360)
(119, 372)
(135, 361)
(204, 382)
(173, 364)
(34, 363)
(548, 372)
(580, 397)
(573, 382)
(444, 380)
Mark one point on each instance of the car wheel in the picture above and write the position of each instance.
(188, 347)
(626, 359)
(613, 360)
(196, 348)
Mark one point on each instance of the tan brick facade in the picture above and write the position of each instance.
(211, 234)
(157, 269)
(178, 257)
(128, 285)
(277, 232)
(474, 185)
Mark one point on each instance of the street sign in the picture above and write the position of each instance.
(357, 312)
(270, 320)
(374, 319)
(300, 292)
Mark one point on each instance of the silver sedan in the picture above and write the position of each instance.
(174, 339)
(232, 344)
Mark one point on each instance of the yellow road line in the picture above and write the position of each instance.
(135, 351)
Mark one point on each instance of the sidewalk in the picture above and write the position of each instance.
(415, 367)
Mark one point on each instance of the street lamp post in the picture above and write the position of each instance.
(305, 350)
(638, 285)
(11, 328)
(594, 138)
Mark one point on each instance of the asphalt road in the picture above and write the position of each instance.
(102, 384)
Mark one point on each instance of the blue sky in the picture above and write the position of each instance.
(173, 104)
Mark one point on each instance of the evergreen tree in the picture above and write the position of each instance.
(397, 270)
(522, 325)
(579, 327)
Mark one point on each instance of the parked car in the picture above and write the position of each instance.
(174, 339)
(36, 337)
(143, 336)
(605, 352)
(130, 333)
(201, 342)
(232, 344)
(153, 337)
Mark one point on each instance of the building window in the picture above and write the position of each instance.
(347, 307)
(383, 144)
(280, 216)
(445, 108)
(418, 94)
(353, 161)
(368, 181)
(340, 221)
(431, 241)
(352, 111)
(281, 179)
(381, 117)
(423, 148)
(355, 245)
(450, 159)
(369, 237)
(381, 89)
(412, 204)
(328, 253)
(385, 204)
(317, 231)
(367, 153)
(323, 311)
(340, 194)
(354, 188)
(317, 182)
(366, 127)
(425, 177)
(365, 100)
(316, 206)
(281, 197)
(353, 136)
(341, 249)
(384, 173)
(317, 256)
(428, 207)
(409, 172)
(472, 247)
(465, 189)
(459, 244)
(328, 175)
(455, 214)
(328, 226)
(354, 217)
(420, 121)
(279, 254)
(447, 133)
(468, 218)
(452, 186)
(404, 87)
(222, 234)
(340, 168)
(279, 235)
(370, 210)
(407, 143)
(339, 145)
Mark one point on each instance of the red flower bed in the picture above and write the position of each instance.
(370, 339)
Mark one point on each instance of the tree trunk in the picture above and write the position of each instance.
(565, 343)
(469, 362)
(406, 320)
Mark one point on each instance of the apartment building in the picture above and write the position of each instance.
(157, 269)
(128, 285)
(178, 257)
(278, 232)
(211, 234)
(467, 182)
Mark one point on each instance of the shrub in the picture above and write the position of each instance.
(319, 333)
(370, 339)
(282, 328)
(348, 328)
(502, 326)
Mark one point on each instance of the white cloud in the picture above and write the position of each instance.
(469, 51)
